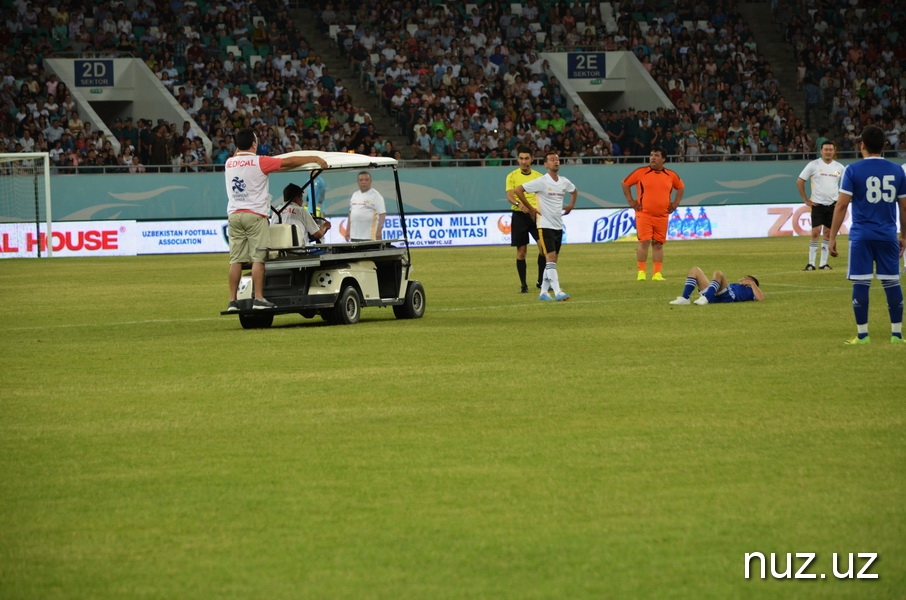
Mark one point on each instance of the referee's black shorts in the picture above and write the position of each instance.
(521, 227)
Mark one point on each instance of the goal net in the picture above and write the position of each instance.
(25, 203)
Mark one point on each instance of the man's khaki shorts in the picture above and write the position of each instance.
(247, 232)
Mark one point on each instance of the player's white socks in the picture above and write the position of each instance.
(551, 278)
(812, 252)
(824, 253)
(545, 282)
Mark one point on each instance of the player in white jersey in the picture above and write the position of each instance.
(366, 212)
(246, 176)
(824, 174)
(294, 213)
(549, 190)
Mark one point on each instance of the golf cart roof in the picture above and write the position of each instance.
(341, 160)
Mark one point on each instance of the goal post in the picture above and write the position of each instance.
(25, 193)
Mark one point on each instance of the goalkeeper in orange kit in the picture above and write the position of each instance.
(655, 185)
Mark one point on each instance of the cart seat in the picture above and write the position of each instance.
(283, 235)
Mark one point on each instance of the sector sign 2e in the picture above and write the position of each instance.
(586, 65)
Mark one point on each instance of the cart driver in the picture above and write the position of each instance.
(294, 213)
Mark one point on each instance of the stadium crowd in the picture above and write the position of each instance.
(850, 58)
(465, 87)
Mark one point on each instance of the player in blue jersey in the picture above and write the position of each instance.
(718, 290)
(874, 186)
(904, 257)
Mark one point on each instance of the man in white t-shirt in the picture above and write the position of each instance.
(294, 213)
(366, 212)
(549, 190)
(246, 176)
(825, 174)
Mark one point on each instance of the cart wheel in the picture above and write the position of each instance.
(414, 305)
(348, 308)
(256, 321)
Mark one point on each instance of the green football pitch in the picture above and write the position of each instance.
(611, 446)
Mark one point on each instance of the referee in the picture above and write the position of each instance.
(521, 224)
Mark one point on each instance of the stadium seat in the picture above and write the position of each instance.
(235, 50)
(259, 19)
(88, 22)
(254, 59)
(516, 9)
(540, 36)
(605, 9)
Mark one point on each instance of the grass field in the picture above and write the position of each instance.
(612, 446)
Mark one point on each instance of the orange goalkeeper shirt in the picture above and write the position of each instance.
(654, 188)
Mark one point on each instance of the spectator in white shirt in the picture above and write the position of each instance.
(28, 142)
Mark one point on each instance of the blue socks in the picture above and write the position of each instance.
(691, 284)
(860, 304)
(894, 302)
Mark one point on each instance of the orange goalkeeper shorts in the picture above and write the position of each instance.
(651, 228)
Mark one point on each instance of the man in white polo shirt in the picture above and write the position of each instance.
(366, 212)
(824, 174)
(248, 209)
